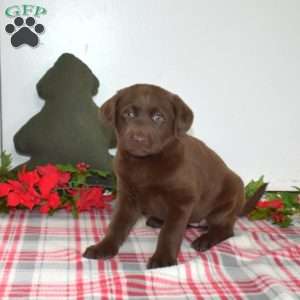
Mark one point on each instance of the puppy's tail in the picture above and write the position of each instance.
(251, 202)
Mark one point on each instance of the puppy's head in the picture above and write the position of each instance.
(146, 118)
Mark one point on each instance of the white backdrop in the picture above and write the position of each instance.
(236, 63)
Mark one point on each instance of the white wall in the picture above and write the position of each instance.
(236, 63)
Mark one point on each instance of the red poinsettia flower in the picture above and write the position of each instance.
(5, 188)
(29, 178)
(47, 184)
(22, 191)
(72, 192)
(108, 197)
(44, 209)
(88, 198)
(52, 202)
(82, 167)
(39, 187)
(278, 217)
(64, 178)
(275, 203)
(51, 177)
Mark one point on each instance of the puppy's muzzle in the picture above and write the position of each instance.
(138, 138)
(138, 143)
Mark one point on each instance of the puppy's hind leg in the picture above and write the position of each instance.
(221, 220)
(215, 235)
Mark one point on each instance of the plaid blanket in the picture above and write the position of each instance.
(40, 258)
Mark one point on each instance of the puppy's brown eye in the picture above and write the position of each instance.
(157, 117)
(129, 114)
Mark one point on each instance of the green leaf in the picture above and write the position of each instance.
(99, 172)
(260, 214)
(72, 202)
(253, 186)
(288, 211)
(5, 160)
(3, 205)
(78, 179)
(75, 212)
(67, 168)
(64, 199)
(289, 199)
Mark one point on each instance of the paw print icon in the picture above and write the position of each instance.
(24, 32)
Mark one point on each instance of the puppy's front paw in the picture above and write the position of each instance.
(101, 250)
(160, 261)
(206, 241)
(202, 243)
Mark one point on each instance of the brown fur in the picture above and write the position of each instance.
(167, 175)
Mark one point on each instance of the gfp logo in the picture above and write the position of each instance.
(25, 29)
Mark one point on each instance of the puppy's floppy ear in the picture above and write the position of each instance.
(108, 110)
(183, 115)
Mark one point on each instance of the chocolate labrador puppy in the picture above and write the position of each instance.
(167, 175)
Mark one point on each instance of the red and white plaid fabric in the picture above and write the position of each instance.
(40, 258)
